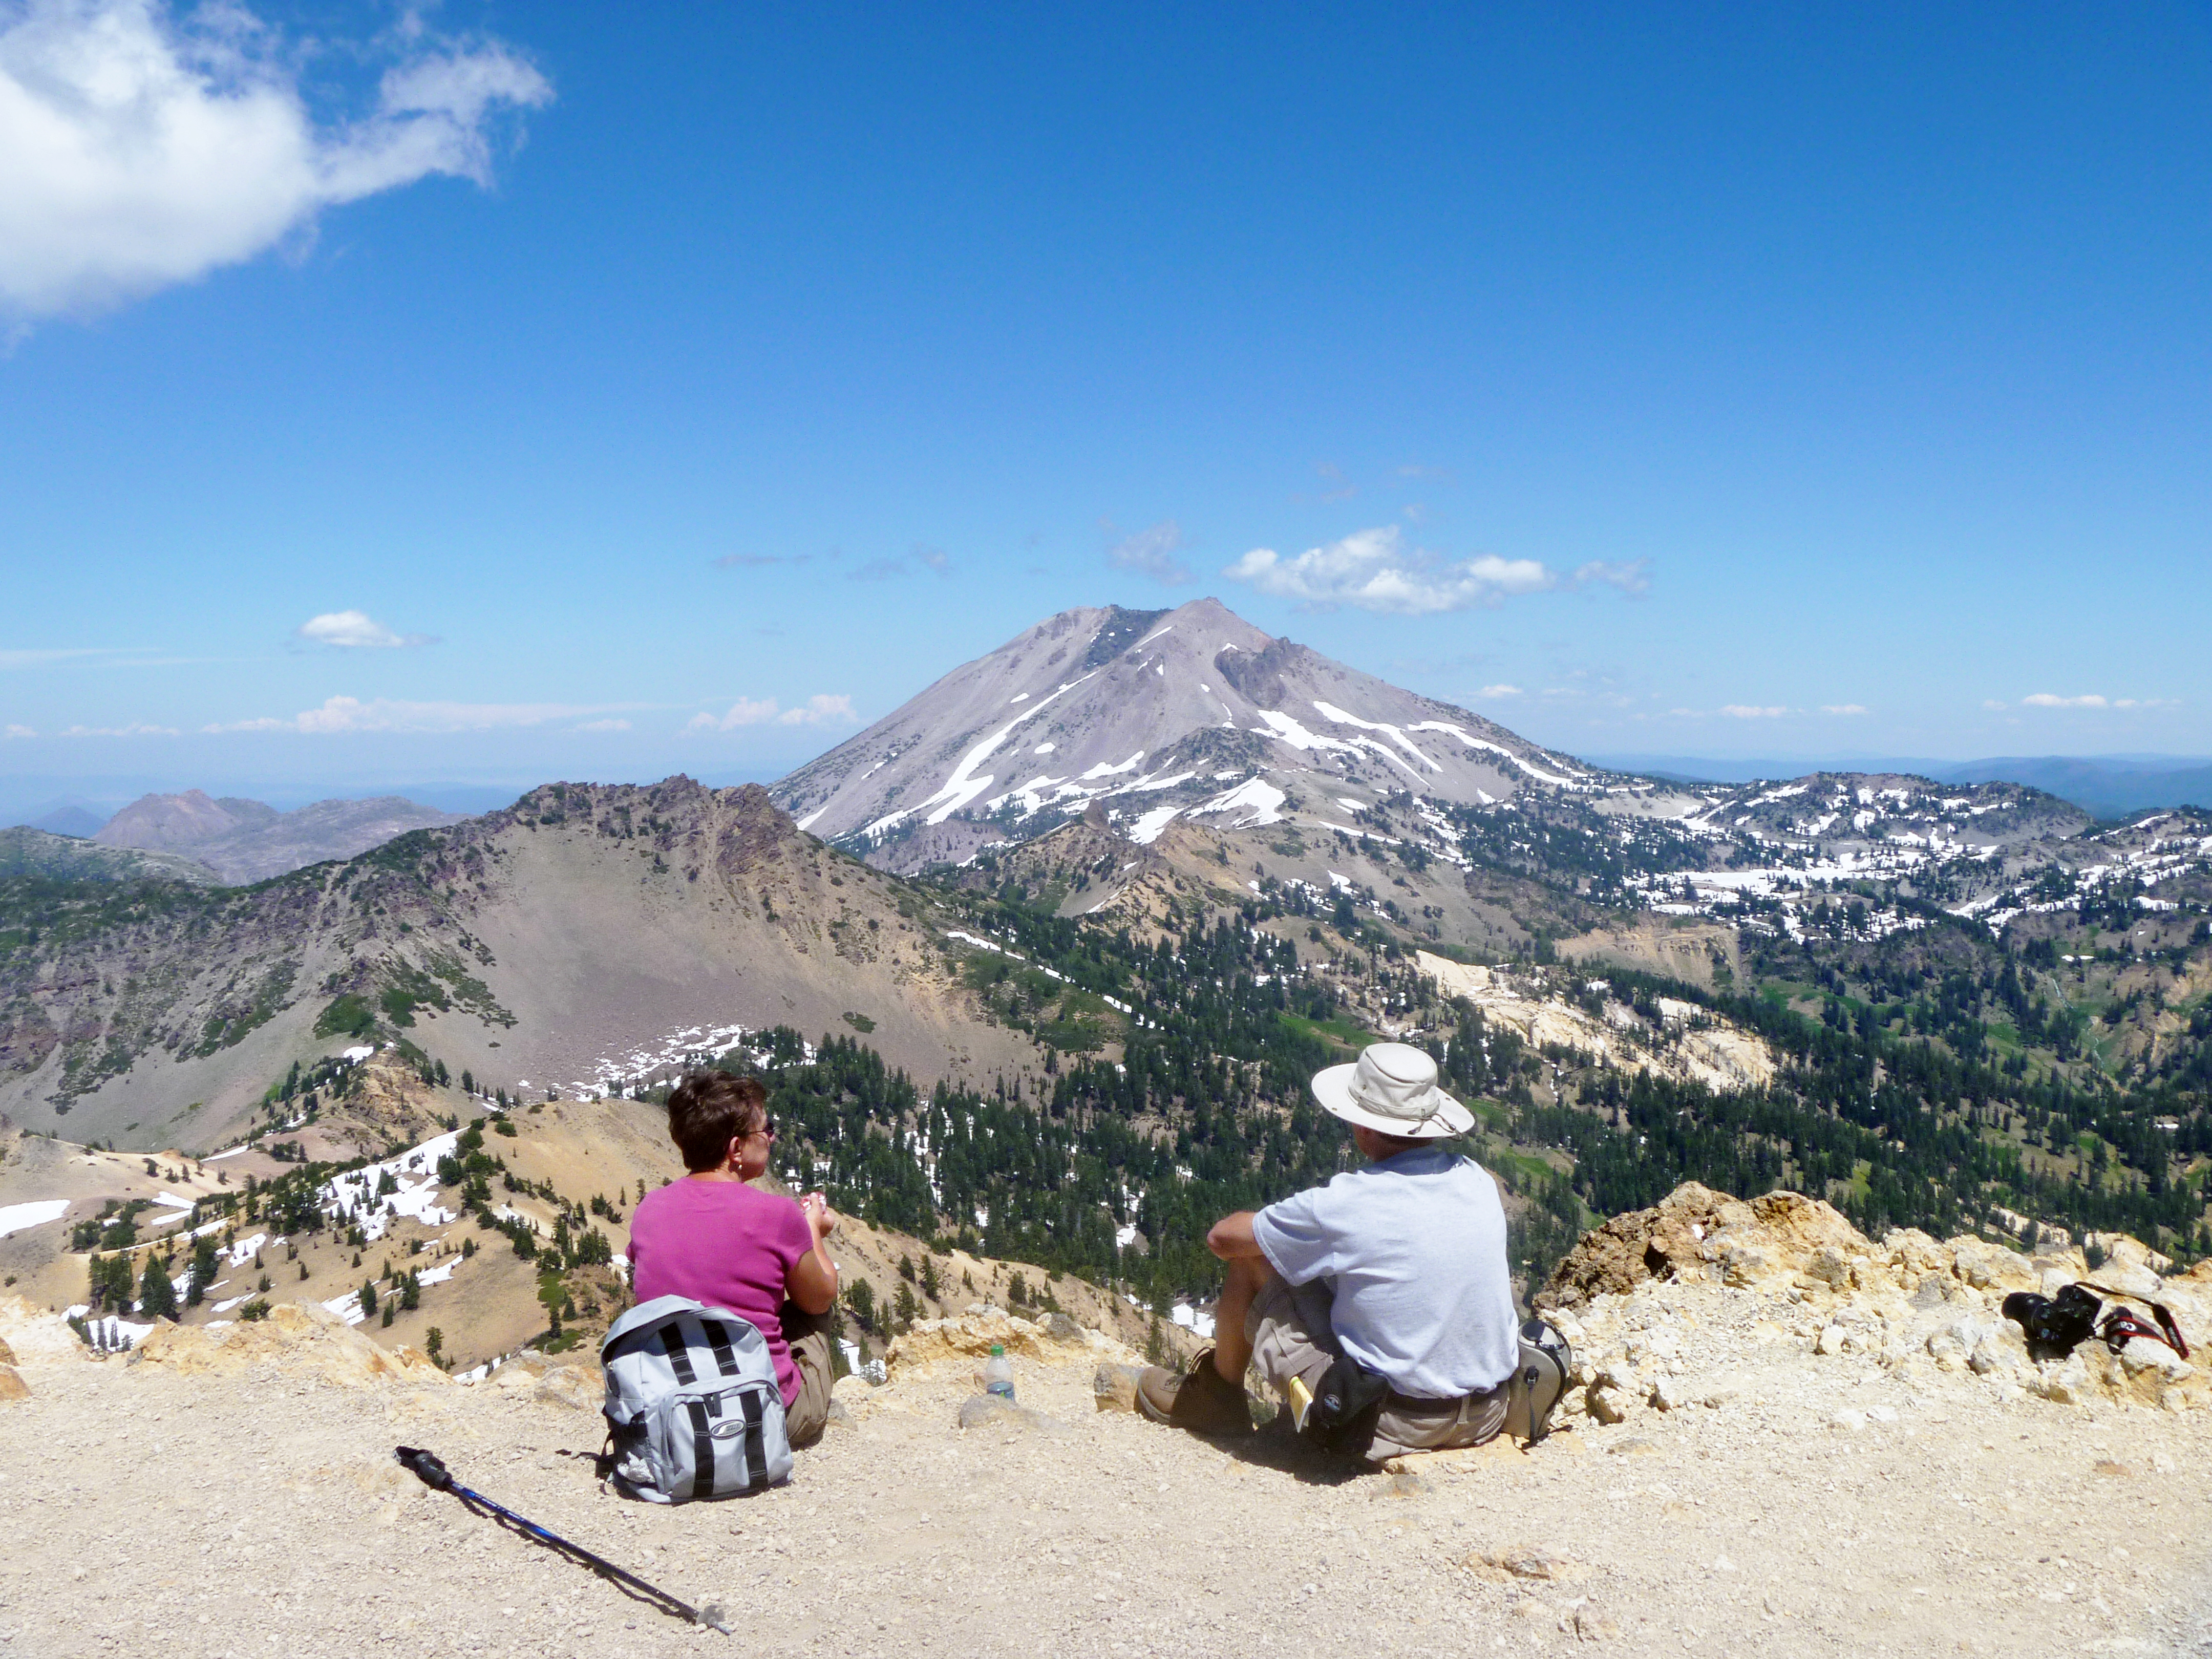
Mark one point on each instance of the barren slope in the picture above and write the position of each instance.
(585, 936)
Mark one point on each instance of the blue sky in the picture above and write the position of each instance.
(505, 393)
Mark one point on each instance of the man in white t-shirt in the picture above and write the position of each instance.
(1399, 1267)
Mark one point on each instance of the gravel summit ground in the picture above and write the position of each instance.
(1830, 1506)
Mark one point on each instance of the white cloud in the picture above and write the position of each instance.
(604, 726)
(1843, 708)
(1371, 570)
(823, 708)
(1152, 553)
(17, 732)
(1502, 691)
(339, 714)
(140, 147)
(1746, 711)
(746, 711)
(1993, 702)
(354, 630)
(136, 729)
(2089, 700)
(1634, 577)
(1374, 570)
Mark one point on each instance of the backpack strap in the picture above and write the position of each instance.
(756, 1448)
(718, 1338)
(2168, 1331)
(679, 1353)
(702, 1450)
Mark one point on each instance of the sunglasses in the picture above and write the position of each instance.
(767, 1129)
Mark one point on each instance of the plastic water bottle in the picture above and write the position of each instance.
(999, 1373)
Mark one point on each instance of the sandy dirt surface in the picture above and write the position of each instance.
(1828, 1505)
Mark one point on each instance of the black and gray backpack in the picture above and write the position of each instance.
(1539, 1380)
(693, 1407)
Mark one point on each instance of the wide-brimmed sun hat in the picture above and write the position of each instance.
(1392, 1088)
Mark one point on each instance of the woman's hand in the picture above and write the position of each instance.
(819, 1216)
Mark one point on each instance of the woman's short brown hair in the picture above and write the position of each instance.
(709, 1109)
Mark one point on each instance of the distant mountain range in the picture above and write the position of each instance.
(244, 841)
(2108, 786)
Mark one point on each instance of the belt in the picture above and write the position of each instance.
(1416, 1405)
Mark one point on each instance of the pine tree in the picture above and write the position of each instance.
(368, 1296)
(157, 1295)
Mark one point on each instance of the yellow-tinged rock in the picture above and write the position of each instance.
(299, 1341)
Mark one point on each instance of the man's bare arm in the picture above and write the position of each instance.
(1230, 1237)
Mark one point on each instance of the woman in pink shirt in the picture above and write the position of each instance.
(757, 1253)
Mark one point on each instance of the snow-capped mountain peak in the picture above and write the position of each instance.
(1150, 714)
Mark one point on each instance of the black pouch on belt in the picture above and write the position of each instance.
(1344, 1406)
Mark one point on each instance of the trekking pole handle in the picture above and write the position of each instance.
(425, 1466)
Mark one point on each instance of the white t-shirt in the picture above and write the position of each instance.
(1414, 1248)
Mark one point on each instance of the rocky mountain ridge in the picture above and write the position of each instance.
(586, 937)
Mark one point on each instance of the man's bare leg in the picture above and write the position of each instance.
(1232, 1350)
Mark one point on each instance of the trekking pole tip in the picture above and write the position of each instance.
(714, 1619)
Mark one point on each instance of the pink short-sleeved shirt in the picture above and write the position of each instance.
(727, 1245)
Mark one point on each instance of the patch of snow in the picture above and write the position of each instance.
(1103, 770)
(1147, 829)
(815, 814)
(355, 1055)
(14, 1218)
(1254, 800)
(1044, 749)
(1473, 741)
(1331, 712)
(964, 785)
(1197, 1324)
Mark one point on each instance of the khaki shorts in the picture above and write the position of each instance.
(808, 1336)
(1291, 1335)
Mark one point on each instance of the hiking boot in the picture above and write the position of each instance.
(1198, 1400)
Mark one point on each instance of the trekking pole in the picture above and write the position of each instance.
(433, 1473)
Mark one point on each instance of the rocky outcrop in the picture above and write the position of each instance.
(1663, 1305)
(29, 1335)
(1052, 1338)
(293, 1341)
(1697, 1232)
